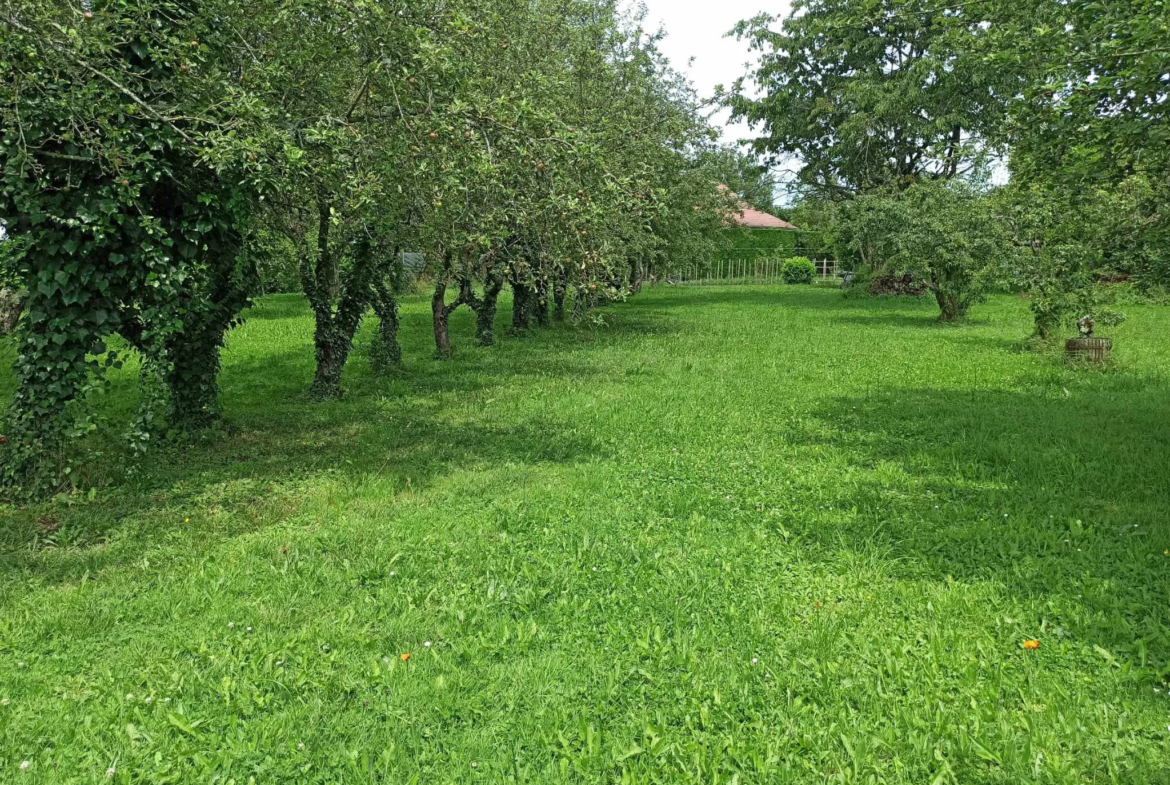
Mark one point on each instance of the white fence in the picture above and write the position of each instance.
(745, 271)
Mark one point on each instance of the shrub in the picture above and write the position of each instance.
(855, 283)
(948, 234)
(798, 270)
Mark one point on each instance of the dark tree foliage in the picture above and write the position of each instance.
(1090, 142)
(121, 225)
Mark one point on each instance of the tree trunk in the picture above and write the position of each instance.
(336, 327)
(11, 306)
(192, 379)
(194, 353)
(635, 276)
(1046, 322)
(485, 312)
(440, 316)
(332, 350)
(37, 423)
(521, 308)
(540, 303)
(386, 353)
(949, 306)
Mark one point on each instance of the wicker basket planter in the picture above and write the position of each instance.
(1089, 349)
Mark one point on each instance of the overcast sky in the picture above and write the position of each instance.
(696, 28)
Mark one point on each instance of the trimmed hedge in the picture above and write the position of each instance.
(758, 244)
(798, 270)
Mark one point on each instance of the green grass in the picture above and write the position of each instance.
(753, 535)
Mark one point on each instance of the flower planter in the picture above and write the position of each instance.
(1089, 349)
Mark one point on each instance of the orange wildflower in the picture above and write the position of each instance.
(1031, 645)
(405, 657)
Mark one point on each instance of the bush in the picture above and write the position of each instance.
(798, 270)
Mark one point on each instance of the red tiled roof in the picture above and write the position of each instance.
(754, 219)
(751, 218)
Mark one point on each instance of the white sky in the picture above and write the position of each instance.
(696, 28)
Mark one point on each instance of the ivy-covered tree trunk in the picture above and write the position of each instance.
(193, 354)
(521, 306)
(333, 341)
(192, 379)
(386, 352)
(53, 369)
(485, 311)
(1047, 320)
(951, 307)
(338, 307)
(331, 350)
(79, 276)
(636, 276)
(948, 293)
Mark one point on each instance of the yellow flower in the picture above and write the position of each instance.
(405, 657)
(1032, 645)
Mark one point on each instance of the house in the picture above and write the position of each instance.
(756, 234)
(750, 218)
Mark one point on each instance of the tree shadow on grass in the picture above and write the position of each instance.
(405, 430)
(268, 468)
(1061, 499)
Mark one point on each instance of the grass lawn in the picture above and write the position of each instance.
(739, 535)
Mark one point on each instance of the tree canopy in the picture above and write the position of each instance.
(873, 95)
(151, 146)
(876, 101)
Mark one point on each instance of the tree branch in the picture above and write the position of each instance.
(81, 61)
